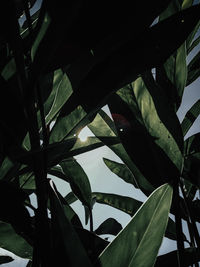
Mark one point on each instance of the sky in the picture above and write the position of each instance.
(99, 175)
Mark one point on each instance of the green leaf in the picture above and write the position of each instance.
(123, 203)
(13, 242)
(66, 242)
(158, 120)
(138, 243)
(190, 117)
(62, 90)
(41, 34)
(109, 226)
(79, 181)
(64, 126)
(194, 44)
(130, 206)
(120, 170)
(187, 3)
(5, 259)
(193, 69)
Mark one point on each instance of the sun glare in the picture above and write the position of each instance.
(83, 135)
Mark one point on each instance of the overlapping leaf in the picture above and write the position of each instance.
(78, 180)
(134, 246)
(190, 117)
(66, 237)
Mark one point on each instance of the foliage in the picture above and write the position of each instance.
(58, 69)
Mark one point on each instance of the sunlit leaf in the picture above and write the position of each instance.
(138, 243)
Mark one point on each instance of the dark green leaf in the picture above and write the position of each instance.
(120, 170)
(64, 126)
(62, 88)
(123, 203)
(70, 198)
(155, 45)
(13, 242)
(190, 117)
(79, 181)
(92, 243)
(5, 259)
(194, 44)
(193, 69)
(64, 234)
(130, 206)
(143, 251)
(161, 122)
(109, 226)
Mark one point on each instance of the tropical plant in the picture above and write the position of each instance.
(58, 69)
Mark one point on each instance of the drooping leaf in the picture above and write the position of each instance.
(11, 241)
(123, 203)
(120, 170)
(190, 117)
(139, 240)
(66, 242)
(109, 226)
(5, 259)
(79, 181)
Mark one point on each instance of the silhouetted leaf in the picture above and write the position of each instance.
(5, 259)
(155, 45)
(191, 256)
(190, 117)
(109, 226)
(139, 240)
(64, 234)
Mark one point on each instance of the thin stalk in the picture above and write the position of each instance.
(179, 231)
(91, 220)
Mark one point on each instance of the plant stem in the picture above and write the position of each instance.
(179, 231)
